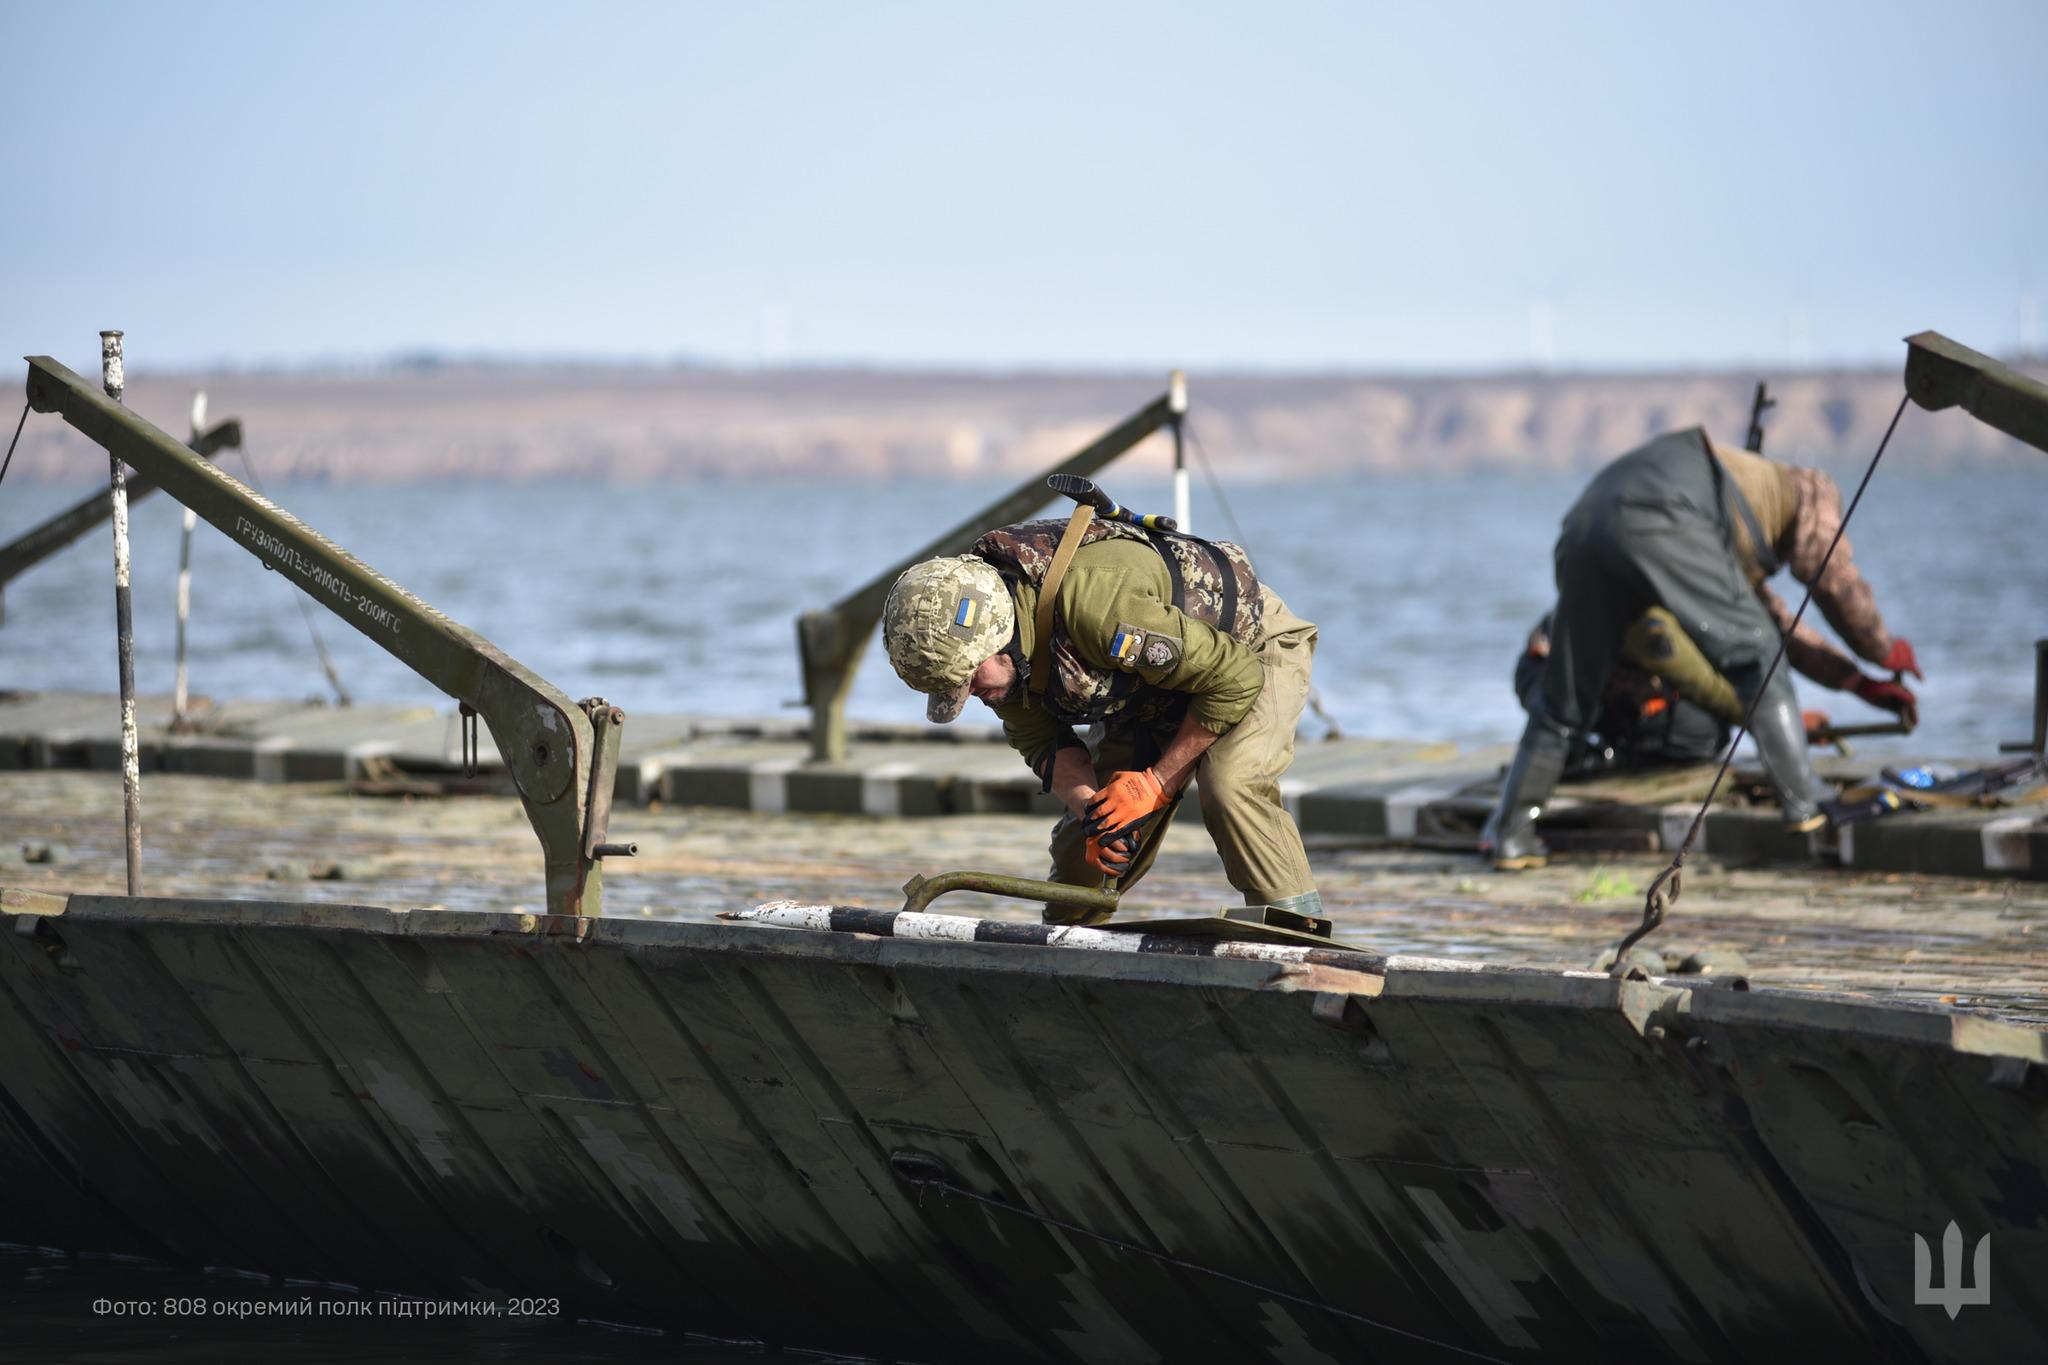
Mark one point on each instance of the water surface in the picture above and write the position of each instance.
(683, 597)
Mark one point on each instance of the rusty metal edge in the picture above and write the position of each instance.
(1702, 999)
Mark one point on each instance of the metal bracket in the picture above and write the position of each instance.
(606, 722)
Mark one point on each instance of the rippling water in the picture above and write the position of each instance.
(682, 597)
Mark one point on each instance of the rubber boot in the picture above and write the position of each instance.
(1780, 737)
(1509, 837)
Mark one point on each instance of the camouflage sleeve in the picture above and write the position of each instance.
(1037, 736)
(1806, 649)
(1121, 619)
(1841, 592)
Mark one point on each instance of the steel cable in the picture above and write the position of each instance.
(4, 464)
(1315, 697)
(1658, 898)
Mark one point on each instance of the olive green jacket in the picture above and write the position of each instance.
(1121, 588)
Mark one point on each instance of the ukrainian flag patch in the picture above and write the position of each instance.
(968, 615)
(1124, 646)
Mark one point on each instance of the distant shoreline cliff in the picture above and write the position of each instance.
(454, 421)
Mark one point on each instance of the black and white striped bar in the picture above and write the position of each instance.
(860, 919)
(855, 919)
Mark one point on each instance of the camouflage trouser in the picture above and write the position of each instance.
(1237, 781)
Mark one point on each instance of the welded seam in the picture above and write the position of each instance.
(594, 1173)
(443, 1099)
(69, 1172)
(342, 1074)
(703, 1188)
(1832, 1262)
(1905, 1121)
(762, 1136)
(1198, 1145)
(1133, 1217)
(226, 1050)
(1391, 1248)
(988, 1295)
(990, 1141)
(113, 1121)
(1835, 1259)
(1704, 1326)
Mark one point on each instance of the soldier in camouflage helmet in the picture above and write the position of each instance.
(1171, 653)
(942, 619)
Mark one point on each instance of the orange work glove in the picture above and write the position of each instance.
(1111, 854)
(1123, 801)
(1815, 722)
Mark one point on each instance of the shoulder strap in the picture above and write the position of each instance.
(1766, 555)
(1048, 589)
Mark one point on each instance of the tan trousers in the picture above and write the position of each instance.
(1238, 781)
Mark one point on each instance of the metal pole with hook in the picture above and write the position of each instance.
(1177, 403)
(114, 379)
(179, 692)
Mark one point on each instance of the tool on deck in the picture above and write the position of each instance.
(1089, 494)
(1267, 923)
(920, 891)
(1837, 734)
(1925, 788)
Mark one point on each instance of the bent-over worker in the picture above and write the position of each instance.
(1168, 645)
(1664, 704)
(1696, 527)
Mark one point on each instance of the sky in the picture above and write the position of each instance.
(1270, 186)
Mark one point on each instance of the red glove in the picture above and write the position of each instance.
(1889, 696)
(1111, 856)
(1815, 722)
(1123, 801)
(1900, 660)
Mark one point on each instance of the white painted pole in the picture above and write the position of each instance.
(114, 378)
(1177, 402)
(179, 693)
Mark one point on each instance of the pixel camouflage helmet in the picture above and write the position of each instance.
(942, 619)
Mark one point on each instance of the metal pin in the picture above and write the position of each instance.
(179, 694)
(1177, 401)
(114, 378)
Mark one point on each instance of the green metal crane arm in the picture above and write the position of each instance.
(32, 547)
(562, 757)
(829, 642)
(1943, 374)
